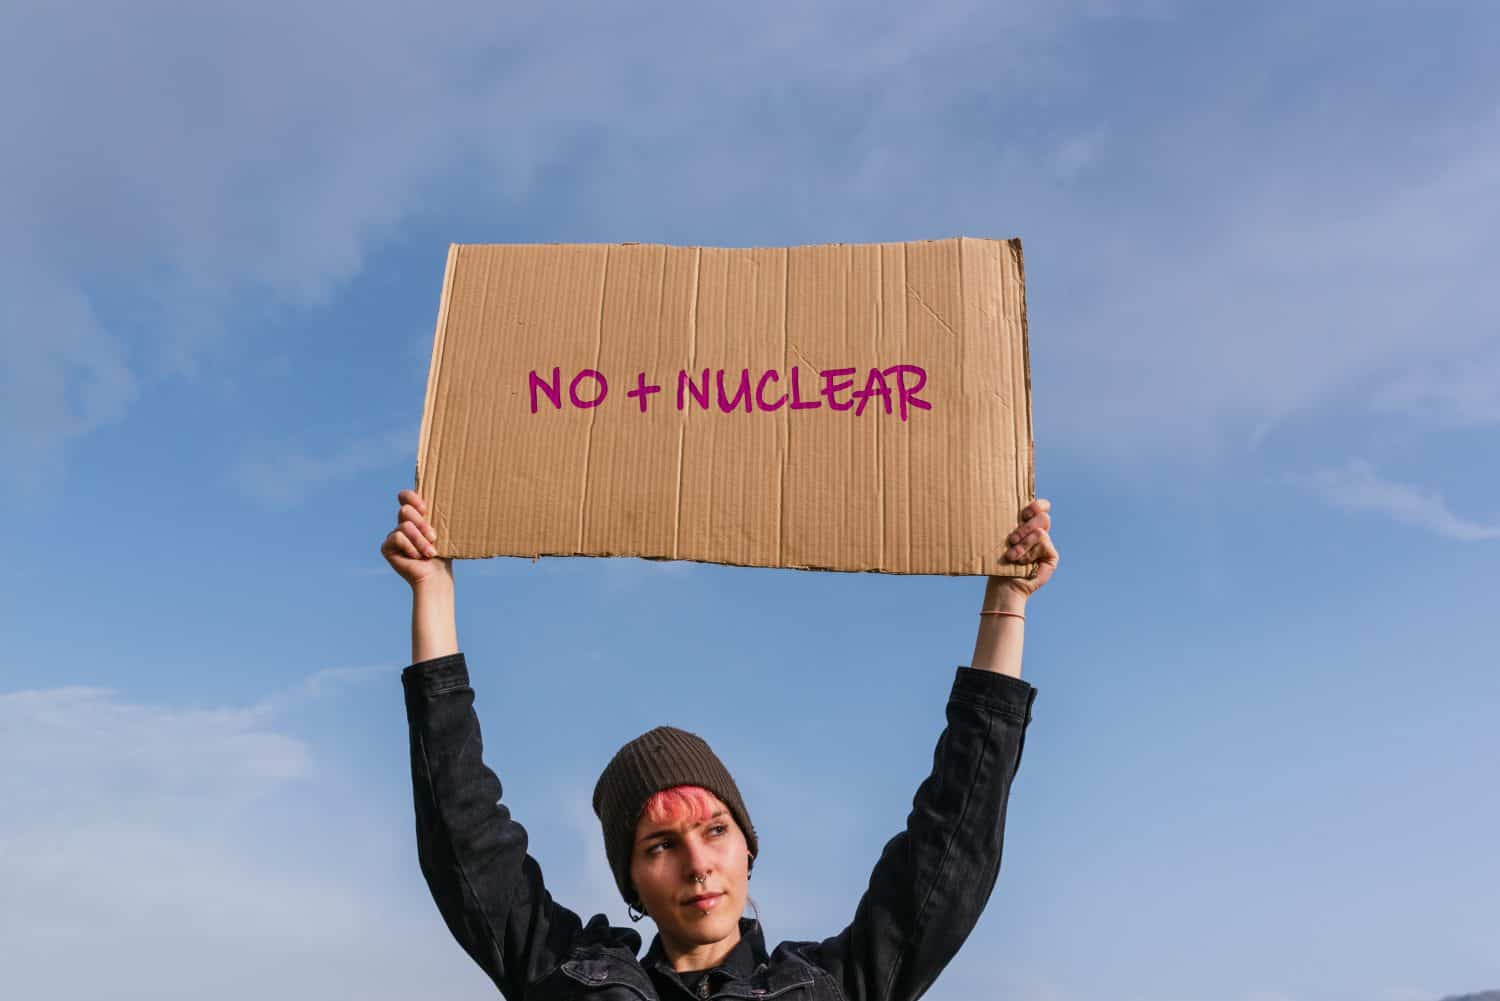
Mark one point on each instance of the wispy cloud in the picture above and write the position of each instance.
(62, 373)
(1406, 994)
(328, 681)
(1357, 487)
(282, 475)
(587, 884)
(1463, 390)
(73, 749)
(1237, 264)
(169, 845)
(166, 176)
(1292, 289)
(1077, 153)
(181, 176)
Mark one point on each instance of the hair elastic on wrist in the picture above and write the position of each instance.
(996, 611)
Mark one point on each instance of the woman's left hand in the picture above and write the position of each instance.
(1030, 542)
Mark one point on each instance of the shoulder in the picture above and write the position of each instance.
(599, 956)
(599, 936)
(798, 964)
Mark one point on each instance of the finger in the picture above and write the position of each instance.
(1042, 550)
(1020, 549)
(1019, 542)
(414, 533)
(1039, 523)
(1033, 548)
(413, 498)
(1039, 506)
(408, 548)
(410, 515)
(397, 544)
(1029, 529)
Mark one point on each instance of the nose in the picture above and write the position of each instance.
(699, 859)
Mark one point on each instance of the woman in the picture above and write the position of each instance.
(679, 838)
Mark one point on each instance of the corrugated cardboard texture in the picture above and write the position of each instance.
(847, 471)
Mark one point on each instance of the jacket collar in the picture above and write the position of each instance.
(742, 961)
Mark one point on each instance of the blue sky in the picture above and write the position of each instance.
(1265, 351)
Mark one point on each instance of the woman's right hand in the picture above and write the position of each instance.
(409, 548)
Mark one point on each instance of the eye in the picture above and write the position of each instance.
(718, 830)
(656, 847)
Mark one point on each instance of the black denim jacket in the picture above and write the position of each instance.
(925, 893)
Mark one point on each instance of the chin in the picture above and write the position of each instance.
(713, 927)
(722, 925)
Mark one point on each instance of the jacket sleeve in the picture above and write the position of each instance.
(934, 878)
(473, 854)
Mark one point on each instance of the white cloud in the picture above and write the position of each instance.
(328, 681)
(1463, 390)
(282, 475)
(154, 851)
(62, 374)
(181, 174)
(588, 885)
(1299, 286)
(175, 167)
(1407, 994)
(102, 746)
(1357, 487)
(1077, 153)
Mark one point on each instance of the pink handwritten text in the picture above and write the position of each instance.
(893, 389)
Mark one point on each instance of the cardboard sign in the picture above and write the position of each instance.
(844, 407)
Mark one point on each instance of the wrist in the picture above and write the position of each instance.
(434, 630)
(439, 584)
(999, 596)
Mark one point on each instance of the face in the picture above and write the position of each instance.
(664, 862)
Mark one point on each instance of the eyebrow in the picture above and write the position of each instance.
(664, 832)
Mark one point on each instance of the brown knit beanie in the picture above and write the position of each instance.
(657, 760)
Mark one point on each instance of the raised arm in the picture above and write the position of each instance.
(410, 551)
(473, 854)
(1002, 616)
(934, 878)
